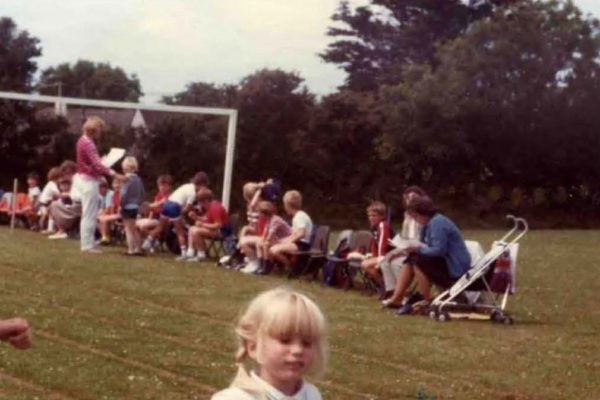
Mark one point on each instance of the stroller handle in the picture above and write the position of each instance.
(519, 224)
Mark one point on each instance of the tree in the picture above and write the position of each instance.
(91, 80)
(17, 67)
(511, 101)
(17, 52)
(373, 43)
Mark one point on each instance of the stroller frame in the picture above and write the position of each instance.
(438, 308)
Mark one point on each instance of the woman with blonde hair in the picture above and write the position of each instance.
(282, 335)
(87, 180)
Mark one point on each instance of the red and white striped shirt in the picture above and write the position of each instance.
(381, 234)
(88, 161)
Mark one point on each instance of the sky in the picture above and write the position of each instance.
(170, 43)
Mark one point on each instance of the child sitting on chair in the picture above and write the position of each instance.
(205, 226)
(276, 229)
(110, 214)
(302, 229)
(178, 204)
(131, 198)
(151, 221)
(381, 232)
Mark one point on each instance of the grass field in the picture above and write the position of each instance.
(112, 327)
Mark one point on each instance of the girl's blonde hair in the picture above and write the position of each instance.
(279, 312)
(249, 190)
(93, 125)
(129, 165)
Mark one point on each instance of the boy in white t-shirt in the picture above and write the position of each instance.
(299, 240)
(177, 205)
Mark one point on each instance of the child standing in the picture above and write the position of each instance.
(49, 194)
(282, 333)
(132, 196)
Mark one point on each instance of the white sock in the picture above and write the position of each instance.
(190, 252)
(201, 254)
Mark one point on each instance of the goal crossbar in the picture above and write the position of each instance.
(231, 114)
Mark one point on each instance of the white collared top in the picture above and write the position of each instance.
(306, 392)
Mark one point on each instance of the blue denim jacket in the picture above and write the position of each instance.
(442, 238)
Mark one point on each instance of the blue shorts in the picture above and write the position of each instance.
(170, 209)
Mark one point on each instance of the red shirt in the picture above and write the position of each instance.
(88, 161)
(116, 200)
(155, 211)
(380, 244)
(216, 213)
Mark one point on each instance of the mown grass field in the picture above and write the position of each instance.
(112, 327)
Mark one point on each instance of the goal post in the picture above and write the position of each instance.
(61, 104)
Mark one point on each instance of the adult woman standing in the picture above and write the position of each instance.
(87, 179)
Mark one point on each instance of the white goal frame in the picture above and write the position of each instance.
(61, 104)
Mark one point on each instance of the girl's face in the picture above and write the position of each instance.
(31, 182)
(284, 360)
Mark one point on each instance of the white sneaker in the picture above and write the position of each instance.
(58, 235)
(182, 257)
(250, 267)
(148, 244)
(201, 256)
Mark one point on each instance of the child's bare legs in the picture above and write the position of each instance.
(249, 245)
(131, 233)
(371, 267)
(278, 253)
(104, 225)
(196, 241)
(146, 225)
(180, 231)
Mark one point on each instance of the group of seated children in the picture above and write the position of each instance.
(431, 250)
(268, 240)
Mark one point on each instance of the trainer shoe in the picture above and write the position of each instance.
(182, 257)
(198, 257)
(58, 235)
(250, 267)
(148, 244)
(405, 309)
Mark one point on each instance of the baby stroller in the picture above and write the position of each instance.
(491, 277)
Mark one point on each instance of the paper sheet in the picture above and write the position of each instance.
(402, 244)
(114, 155)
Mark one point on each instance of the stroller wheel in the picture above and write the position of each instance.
(497, 316)
(443, 316)
(433, 313)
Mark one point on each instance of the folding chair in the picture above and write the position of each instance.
(225, 242)
(360, 242)
(312, 259)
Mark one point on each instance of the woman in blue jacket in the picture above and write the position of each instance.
(441, 257)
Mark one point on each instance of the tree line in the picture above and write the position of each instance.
(488, 105)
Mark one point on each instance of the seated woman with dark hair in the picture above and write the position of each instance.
(441, 258)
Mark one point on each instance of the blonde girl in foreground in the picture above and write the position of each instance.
(282, 334)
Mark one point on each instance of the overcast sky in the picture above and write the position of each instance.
(169, 43)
